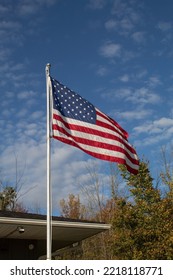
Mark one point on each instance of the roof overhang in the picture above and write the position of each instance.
(64, 232)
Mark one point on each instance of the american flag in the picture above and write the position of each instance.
(75, 121)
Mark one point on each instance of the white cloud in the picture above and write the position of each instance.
(32, 162)
(141, 74)
(135, 114)
(166, 29)
(139, 37)
(10, 67)
(26, 94)
(22, 113)
(131, 77)
(147, 127)
(4, 54)
(164, 122)
(120, 8)
(10, 32)
(111, 24)
(96, 4)
(126, 24)
(165, 26)
(154, 81)
(37, 115)
(154, 132)
(140, 96)
(162, 126)
(144, 96)
(28, 97)
(12, 25)
(102, 71)
(126, 10)
(29, 7)
(123, 26)
(68, 167)
(110, 50)
(3, 9)
(124, 78)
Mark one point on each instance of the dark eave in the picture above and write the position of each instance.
(64, 231)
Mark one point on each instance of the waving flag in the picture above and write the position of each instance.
(75, 121)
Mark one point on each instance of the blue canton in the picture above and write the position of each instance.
(72, 105)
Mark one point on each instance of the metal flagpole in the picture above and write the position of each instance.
(49, 193)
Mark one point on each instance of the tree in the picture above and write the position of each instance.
(98, 207)
(8, 200)
(167, 171)
(72, 207)
(10, 194)
(143, 226)
(94, 247)
(142, 222)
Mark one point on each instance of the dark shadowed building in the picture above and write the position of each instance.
(23, 235)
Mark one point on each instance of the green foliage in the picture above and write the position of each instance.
(8, 200)
(142, 224)
(8, 197)
(146, 223)
(141, 185)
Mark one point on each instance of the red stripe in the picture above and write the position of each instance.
(114, 124)
(96, 144)
(93, 131)
(99, 156)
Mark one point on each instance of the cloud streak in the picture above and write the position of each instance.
(110, 50)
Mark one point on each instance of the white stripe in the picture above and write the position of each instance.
(106, 121)
(93, 137)
(102, 151)
(90, 125)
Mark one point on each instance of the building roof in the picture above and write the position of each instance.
(64, 231)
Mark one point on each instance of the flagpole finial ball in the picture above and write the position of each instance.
(48, 69)
(48, 65)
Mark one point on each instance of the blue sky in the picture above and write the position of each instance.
(115, 53)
